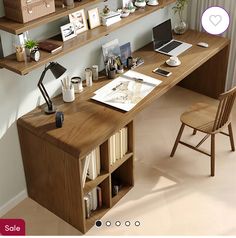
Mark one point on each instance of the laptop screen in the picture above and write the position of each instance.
(162, 34)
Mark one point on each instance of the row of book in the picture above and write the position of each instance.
(118, 145)
(91, 165)
(93, 201)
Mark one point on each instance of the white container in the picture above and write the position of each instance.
(89, 77)
(78, 84)
(95, 72)
(68, 94)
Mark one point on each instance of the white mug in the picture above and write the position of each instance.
(68, 95)
(174, 60)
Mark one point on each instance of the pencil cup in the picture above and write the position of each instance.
(68, 94)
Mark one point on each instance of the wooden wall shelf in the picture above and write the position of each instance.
(23, 68)
(18, 28)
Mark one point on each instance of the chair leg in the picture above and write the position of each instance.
(212, 155)
(231, 137)
(194, 132)
(177, 140)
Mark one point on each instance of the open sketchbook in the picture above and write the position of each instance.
(126, 91)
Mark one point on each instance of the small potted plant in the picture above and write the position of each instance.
(30, 45)
(181, 25)
(140, 3)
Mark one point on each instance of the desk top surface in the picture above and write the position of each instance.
(88, 123)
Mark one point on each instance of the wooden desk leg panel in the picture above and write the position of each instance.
(53, 178)
(210, 78)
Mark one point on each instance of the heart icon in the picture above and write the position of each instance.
(215, 19)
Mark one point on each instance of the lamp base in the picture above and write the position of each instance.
(48, 111)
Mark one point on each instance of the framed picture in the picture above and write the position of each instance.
(111, 50)
(94, 18)
(68, 31)
(125, 51)
(79, 21)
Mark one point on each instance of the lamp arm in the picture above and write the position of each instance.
(43, 90)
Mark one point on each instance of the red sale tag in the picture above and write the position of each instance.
(12, 227)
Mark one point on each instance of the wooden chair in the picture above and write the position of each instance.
(211, 120)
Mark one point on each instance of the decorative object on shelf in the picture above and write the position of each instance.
(78, 84)
(27, 10)
(69, 3)
(94, 18)
(125, 3)
(140, 3)
(89, 77)
(110, 18)
(68, 32)
(106, 10)
(181, 25)
(125, 13)
(95, 72)
(59, 119)
(20, 53)
(125, 51)
(30, 45)
(79, 21)
(57, 70)
(35, 54)
(131, 7)
(153, 3)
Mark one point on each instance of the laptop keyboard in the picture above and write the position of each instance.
(170, 47)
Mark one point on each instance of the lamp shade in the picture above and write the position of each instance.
(57, 70)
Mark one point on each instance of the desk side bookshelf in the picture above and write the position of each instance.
(54, 178)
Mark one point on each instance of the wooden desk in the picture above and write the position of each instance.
(52, 157)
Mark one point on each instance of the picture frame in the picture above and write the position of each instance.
(111, 50)
(68, 31)
(79, 21)
(94, 18)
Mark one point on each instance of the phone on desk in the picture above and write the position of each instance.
(162, 72)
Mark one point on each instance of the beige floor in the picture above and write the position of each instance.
(171, 196)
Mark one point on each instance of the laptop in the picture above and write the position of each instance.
(164, 42)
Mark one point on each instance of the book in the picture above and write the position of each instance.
(94, 199)
(98, 160)
(92, 170)
(87, 207)
(99, 197)
(49, 46)
(86, 162)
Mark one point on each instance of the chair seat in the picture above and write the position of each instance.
(200, 116)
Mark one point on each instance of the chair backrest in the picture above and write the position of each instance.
(224, 109)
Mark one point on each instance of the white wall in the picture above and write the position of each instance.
(19, 94)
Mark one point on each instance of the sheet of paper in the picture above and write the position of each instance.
(127, 90)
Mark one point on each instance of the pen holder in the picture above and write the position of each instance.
(68, 94)
(112, 73)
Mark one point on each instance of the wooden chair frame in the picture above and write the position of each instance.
(222, 120)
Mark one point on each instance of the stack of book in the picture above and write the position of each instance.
(91, 165)
(110, 19)
(118, 145)
(93, 200)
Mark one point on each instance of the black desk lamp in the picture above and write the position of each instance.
(57, 70)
